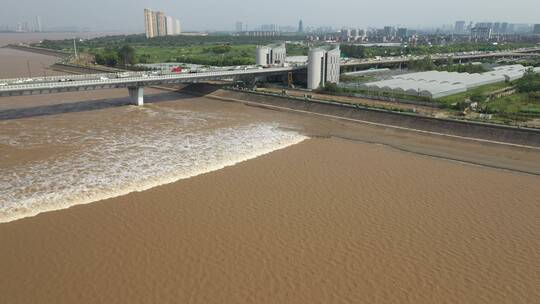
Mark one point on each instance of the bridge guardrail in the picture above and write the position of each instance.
(139, 79)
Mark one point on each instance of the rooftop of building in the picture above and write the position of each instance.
(328, 48)
(437, 84)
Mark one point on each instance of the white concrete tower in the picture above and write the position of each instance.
(274, 54)
(262, 55)
(323, 66)
(315, 68)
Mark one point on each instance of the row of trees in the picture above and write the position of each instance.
(123, 56)
(427, 64)
(530, 83)
(216, 60)
(216, 56)
(463, 68)
(118, 41)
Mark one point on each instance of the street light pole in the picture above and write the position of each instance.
(75, 47)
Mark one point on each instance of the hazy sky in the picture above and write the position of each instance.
(214, 14)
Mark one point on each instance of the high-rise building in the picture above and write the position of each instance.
(161, 23)
(269, 27)
(361, 34)
(504, 28)
(389, 31)
(522, 28)
(157, 24)
(301, 26)
(345, 34)
(177, 27)
(154, 23)
(497, 28)
(149, 23)
(260, 33)
(536, 29)
(481, 33)
(39, 26)
(459, 27)
(239, 26)
(402, 33)
(169, 26)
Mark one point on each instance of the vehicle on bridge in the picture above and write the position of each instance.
(123, 75)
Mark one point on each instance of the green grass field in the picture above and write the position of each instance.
(520, 103)
(479, 91)
(217, 50)
(220, 55)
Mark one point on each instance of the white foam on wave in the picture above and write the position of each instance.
(117, 163)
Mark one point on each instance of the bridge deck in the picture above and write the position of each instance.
(105, 81)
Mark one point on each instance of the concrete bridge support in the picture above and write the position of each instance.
(136, 94)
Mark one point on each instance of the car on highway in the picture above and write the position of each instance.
(176, 69)
(3, 84)
(122, 75)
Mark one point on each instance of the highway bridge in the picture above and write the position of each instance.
(395, 61)
(136, 81)
(133, 81)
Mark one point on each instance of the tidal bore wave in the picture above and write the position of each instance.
(110, 161)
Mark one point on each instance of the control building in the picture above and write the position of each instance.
(271, 54)
(323, 66)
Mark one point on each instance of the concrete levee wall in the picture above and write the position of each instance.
(483, 131)
(37, 50)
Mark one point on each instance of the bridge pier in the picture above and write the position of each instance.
(136, 94)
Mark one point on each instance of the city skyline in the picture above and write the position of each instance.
(222, 16)
(156, 24)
